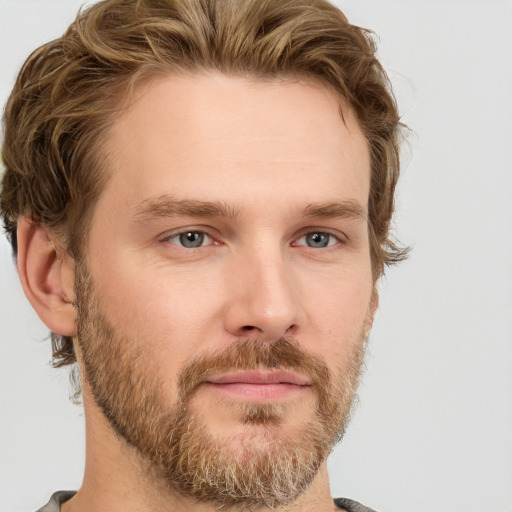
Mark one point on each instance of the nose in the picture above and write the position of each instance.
(264, 297)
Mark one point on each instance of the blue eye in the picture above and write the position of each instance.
(190, 239)
(317, 240)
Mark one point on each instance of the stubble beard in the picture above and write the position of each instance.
(265, 469)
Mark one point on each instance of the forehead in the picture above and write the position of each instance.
(212, 136)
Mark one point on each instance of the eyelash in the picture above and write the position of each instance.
(331, 237)
(204, 235)
(177, 236)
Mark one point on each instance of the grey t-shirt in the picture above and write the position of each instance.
(60, 497)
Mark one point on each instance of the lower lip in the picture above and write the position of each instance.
(258, 392)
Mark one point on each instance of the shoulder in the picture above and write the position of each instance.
(351, 505)
(56, 500)
(61, 496)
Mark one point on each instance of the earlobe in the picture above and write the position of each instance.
(46, 274)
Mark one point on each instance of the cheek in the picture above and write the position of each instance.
(168, 315)
(137, 291)
(339, 311)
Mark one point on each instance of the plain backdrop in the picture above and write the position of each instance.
(433, 431)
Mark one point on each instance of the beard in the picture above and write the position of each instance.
(262, 467)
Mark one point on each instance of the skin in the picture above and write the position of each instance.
(265, 151)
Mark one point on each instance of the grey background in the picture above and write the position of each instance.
(434, 427)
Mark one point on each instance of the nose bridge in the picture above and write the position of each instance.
(265, 301)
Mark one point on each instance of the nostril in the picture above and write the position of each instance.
(248, 328)
(290, 329)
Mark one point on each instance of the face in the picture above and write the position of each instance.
(227, 288)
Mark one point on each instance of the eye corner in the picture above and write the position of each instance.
(188, 239)
(319, 239)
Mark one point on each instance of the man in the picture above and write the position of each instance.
(198, 194)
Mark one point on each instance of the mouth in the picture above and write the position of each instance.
(259, 385)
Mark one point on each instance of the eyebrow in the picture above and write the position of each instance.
(348, 209)
(168, 206)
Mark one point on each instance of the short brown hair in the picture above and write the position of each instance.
(70, 90)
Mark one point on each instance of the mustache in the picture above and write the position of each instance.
(244, 354)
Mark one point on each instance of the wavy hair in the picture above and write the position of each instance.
(70, 90)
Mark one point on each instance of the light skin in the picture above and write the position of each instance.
(272, 184)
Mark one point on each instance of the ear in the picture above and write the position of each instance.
(47, 276)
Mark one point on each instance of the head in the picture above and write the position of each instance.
(73, 127)
(70, 90)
